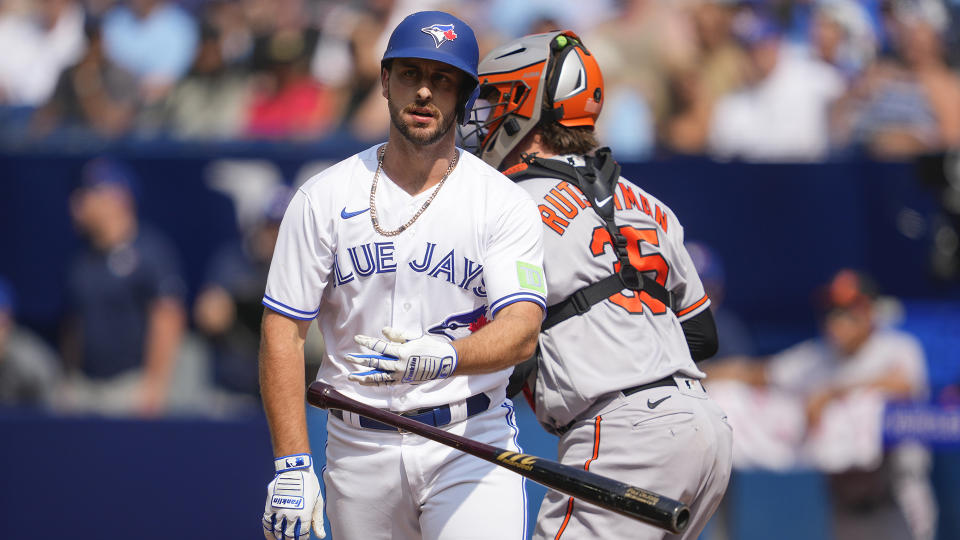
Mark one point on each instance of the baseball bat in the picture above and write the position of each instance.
(630, 501)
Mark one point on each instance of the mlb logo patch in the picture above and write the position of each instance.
(440, 33)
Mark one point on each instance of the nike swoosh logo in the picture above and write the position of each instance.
(654, 404)
(347, 215)
(603, 202)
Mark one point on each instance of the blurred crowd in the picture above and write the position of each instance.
(755, 80)
(760, 80)
(132, 340)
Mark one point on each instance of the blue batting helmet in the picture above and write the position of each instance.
(435, 35)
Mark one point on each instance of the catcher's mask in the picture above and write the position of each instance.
(435, 35)
(549, 76)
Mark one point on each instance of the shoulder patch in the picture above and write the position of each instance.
(531, 277)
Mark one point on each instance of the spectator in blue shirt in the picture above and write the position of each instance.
(126, 298)
(153, 39)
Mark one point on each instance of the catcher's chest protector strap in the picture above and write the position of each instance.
(598, 181)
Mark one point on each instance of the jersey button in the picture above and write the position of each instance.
(407, 306)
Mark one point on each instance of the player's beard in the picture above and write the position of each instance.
(419, 137)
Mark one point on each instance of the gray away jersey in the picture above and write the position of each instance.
(628, 339)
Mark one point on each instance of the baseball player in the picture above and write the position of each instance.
(829, 392)
(627, 314)
(422, 266)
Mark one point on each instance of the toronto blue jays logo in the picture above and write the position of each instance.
(452, 325)
(440, 33)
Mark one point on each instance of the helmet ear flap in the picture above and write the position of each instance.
(463, 114)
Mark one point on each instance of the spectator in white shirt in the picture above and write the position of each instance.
(37, 45)
(783, 113)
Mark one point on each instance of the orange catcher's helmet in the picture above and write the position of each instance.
(551, 77)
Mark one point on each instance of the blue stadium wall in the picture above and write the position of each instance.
(781, 229)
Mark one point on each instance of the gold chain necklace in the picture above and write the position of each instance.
(373, 194)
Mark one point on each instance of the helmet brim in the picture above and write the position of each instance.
(439, 56)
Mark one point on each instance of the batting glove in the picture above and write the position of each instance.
(293, 500)
(404, 358)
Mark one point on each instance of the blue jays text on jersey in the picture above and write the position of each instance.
(370, 258)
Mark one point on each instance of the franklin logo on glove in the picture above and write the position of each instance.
(287, 502)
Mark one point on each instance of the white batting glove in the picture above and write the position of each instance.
(294, 500)
(405, 358)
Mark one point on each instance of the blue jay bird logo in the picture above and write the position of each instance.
(440, 33)
(472, 321)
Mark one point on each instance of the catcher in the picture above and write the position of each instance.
(627, 314)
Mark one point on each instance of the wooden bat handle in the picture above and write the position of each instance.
(630, 501)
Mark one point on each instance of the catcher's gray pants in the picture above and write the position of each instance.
(676, 443)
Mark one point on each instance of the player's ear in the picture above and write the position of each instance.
(537, 137)
(385, 81)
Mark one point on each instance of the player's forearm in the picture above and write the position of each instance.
(894, 384)
(510, 339)
(281, 382)
(164, 335)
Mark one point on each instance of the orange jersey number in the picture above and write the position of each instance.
(647, 264)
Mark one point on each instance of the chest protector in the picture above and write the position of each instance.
(597, 179)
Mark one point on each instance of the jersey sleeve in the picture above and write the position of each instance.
(909, 358)
(301, 263)
(513, 269)
(690, 298)
(163, 264)
(797, 367)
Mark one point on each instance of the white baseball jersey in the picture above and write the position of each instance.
(476, 249)
(627, 339)
(813, 365)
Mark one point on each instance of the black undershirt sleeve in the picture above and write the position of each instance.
(521, 372)
(701, 334)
